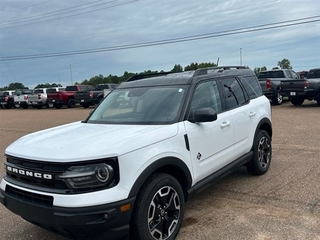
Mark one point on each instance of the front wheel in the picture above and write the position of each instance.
(159, 209)
(262, 152)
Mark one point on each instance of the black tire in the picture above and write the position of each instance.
(8, 106)
(159, 207)
(99, 100)
(262, 154)
(38, 106)
(49, 105)
(24, 106)
(85, 105)
(318, 99)
(297, 101)
(57, 105)
(71, 103)
(16, 105)
(277, 98)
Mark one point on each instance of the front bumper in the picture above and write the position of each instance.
(94, 222)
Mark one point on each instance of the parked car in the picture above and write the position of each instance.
(92, 97)
(7, 99)
(129, 170)
(270, 83)
(21, 98)
(58, 99)
(303, 89)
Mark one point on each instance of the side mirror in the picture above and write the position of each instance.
(204, 115)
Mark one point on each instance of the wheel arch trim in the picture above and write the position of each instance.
(171, 165)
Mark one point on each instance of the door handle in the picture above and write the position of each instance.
(252, 114)
(225, 124)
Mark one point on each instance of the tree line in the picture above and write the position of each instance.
(283, 64)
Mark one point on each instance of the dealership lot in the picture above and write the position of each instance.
(282, 204)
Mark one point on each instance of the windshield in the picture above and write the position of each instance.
(146, 105)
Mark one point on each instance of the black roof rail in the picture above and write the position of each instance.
(203, 71)
(146, 75)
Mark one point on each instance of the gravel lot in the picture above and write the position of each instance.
(282, 204)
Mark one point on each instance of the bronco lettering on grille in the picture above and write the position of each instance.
(29, 173)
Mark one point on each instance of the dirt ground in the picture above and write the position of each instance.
(282, 204)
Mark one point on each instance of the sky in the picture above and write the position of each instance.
(59, 41)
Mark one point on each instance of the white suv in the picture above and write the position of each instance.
(127, 170)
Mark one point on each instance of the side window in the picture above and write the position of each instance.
(233, 93)
(288, 73)
(294, 75)
(206, 95)
(252, 86)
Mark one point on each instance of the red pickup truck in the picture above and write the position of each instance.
(58, 99)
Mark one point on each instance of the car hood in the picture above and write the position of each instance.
(83, 141)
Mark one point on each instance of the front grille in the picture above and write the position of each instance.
(32, 198)
(43, 176)
(36, 173)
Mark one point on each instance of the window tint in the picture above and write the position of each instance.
(252, 86)
(206, 95)
(233, 93)
(38, 91)
(314, 73)
(71, 88)
(288, 73)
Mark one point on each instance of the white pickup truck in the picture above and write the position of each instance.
(39, 97)
(21, 98)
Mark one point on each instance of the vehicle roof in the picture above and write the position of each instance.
(184, 78)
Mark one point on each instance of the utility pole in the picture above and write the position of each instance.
(71, 75)
(240, 56)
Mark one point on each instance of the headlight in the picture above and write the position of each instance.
(89, 176)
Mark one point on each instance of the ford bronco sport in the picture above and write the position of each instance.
(127, 170)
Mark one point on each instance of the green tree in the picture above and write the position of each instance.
(194, 66)
(257, 70)
(191, 66)
(177, 68)
(284, 64)
(16, 85)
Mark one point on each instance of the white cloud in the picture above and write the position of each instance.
(146, 21)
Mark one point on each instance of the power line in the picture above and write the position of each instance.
(27, 6)
(172, 40)
(72, 15)
(159, 23)
(57, 12)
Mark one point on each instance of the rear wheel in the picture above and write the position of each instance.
(277, 99)
(8, 106)
(24, 106)
(318, 99)
(49, 105)
(262, 151)
(159, 209)
(57, 105)
(71, 103)
(39, 106)
(297, 101)
(85, 105)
